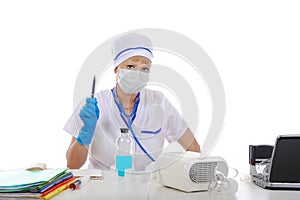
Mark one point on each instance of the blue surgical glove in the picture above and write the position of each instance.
(89, 115)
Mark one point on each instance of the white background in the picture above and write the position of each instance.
(255, 46)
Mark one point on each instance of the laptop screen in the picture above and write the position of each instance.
(285, 167)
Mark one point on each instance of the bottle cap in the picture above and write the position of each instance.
(124, 130)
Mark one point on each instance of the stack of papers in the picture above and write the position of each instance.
(42, 184)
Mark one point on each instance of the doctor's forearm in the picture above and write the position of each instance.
(76, 155)
(189, 142)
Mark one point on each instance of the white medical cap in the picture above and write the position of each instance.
(130, 45)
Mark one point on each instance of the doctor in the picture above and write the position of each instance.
(95, 124)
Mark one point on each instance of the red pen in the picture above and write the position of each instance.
(75, 185)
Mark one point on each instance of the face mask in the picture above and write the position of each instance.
(131, 81)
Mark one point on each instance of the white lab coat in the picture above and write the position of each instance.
(154, 112)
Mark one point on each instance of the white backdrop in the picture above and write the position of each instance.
(255, 46)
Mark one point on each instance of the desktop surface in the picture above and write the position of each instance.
(140, 187)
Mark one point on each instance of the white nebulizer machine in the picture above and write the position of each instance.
(189, 172)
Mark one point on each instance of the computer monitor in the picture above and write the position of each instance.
(285, 167)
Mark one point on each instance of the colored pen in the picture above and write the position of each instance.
(79, 183)
(75, 185)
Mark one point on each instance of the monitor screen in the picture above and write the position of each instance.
(286, 160)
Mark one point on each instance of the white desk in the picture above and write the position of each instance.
(114, 187)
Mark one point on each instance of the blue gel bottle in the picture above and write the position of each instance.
(124, 151)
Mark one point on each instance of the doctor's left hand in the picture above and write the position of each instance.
(89, 115)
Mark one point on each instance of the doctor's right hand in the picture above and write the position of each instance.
(89, 115)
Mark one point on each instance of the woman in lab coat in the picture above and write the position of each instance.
(95, 124)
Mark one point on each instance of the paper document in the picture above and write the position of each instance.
(26, 178)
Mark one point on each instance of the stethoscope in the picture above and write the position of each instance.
(130, 118)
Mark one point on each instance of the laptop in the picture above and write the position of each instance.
(284, 166)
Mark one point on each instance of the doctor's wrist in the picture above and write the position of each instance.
(82, 142)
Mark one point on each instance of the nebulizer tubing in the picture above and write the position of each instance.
(128, 122)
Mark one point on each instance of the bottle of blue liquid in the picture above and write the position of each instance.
(124, 152)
